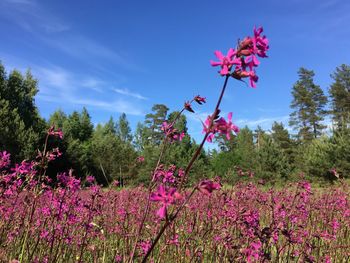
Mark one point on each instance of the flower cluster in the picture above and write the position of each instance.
(165, 196)
(168, 176)
(241, 62)
(53, 132)
(219, 125)
(4, 159)
(171, 133)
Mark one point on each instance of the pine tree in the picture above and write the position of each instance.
(244, 151)
(57, 119)
(282, 139)
(21, 126)
(123, 129)
(154, 122)
(340, 97)
(309, 104)
(272, 163)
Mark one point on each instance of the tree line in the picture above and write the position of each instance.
(110, 151)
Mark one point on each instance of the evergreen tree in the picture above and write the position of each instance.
(57, 119)
(86, 127)
(123, 129)
(244, 150)
(142, 137)
(340, 96)
(309, 104)
(282, 139)
(340, 152)
(110, 127)
(316, 158)
(258, 133)
(271, 162)
(22, 127)
(154, 122)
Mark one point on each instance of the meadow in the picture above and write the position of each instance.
(82, 222)
(171, 216)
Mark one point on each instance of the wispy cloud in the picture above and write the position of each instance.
(85, 48)
(120, 106)
(63, 88)
(264, 122)
(31, 16)
(129, 93)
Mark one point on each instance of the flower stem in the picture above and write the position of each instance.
(188, 168)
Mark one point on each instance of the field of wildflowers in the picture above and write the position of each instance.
(76, 223)
(65, 219)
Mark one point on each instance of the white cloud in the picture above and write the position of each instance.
(129, 93)
(31, 16)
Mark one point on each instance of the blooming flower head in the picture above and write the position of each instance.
(208, 186)
(220, 126)
(4, 159)
(226, 62)
(90, 179)
(166, 197)
(260, 43)
(140, 159)
(172, 133)
(57, 133)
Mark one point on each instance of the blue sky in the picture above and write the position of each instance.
(125, 56)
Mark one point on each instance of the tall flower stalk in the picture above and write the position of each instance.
(239, 63)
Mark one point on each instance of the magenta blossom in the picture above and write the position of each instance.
(172, 133)
(260, 43)
(4, 159)
(220, 126)
(226, 62)
(140, 159)
(90, 179)
(208, 186)
(166, 197)
(57, 133)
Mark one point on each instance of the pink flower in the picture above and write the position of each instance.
(220, 126)
(90, 179)
(52, 132)
(260, 43)
(208, 186)
(226, 62)
(226, 128)
(333, 171)
(171, 132)
(4, 159)
(145, 246)
(166, 197)
(140, 159)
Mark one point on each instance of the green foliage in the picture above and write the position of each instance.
(340, 154)
(245, 150)
(271, 161)
(20, 124)
(282, 139)
(316, 158)
(113, 159)
(123, 129)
